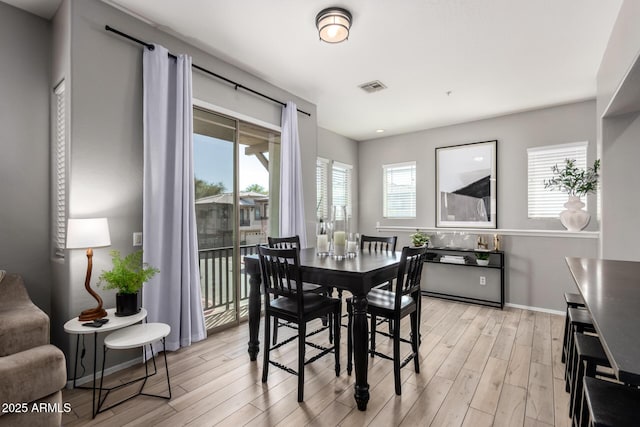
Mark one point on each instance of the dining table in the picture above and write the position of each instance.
(611, 292)
(354, 274)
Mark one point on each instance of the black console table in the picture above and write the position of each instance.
(468, 282)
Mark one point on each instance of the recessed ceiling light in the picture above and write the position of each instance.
(478, 159)
(379, 130)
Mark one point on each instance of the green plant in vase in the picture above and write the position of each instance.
(419, 238)
(127, 276)
(482, 257)
(576, 182)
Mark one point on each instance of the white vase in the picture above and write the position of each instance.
(574, 218)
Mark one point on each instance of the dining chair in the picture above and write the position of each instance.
(291, 242)
(403, 300)
(378, 243)
(280, 275)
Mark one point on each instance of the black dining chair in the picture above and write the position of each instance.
(403, 300)
(280, 277)
(378, 243)
(291, 242)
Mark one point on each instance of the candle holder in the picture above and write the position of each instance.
(322, 238)
(339, 222)
(353, 244)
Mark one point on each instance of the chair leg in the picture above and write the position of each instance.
(267, 346)
(372, 345)
(415, 338)
(396, 360)
(349, 338)
(336, 339)
(276, 324)
(576, 389)
(302, 335)
(564, 340)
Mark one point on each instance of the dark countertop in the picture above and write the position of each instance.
(611, 290)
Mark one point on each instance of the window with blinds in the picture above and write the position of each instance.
(542, 202)
(341, 185)
(322, 188)
(60, 187)
(399, 190)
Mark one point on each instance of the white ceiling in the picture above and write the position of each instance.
(493, 56)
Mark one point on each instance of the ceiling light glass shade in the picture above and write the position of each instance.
(333, 24)
(88, 233)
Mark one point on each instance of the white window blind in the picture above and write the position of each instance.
(322, 188)
(341, 185)
(60, 211)
(399, 190)
(542, 202)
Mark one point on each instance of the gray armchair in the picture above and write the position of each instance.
(32, 370)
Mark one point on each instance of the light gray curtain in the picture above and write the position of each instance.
(291, 194)
(169, 225)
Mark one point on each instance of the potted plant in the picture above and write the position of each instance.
(419, 238)
(127, 276)
(482, 257)
(576, 182)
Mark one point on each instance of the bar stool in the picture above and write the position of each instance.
(608, 404)
(136, 336)
(587, 356)
(579, 321)
(573, 301)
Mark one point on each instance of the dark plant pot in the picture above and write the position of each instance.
(127, 304)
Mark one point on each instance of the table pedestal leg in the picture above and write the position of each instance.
(254, 315)
(360, 350)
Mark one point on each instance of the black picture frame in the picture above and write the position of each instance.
(466, 185)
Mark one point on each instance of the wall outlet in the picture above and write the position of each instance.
(483, 280)
(137, 238)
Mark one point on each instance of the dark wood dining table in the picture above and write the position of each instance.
(611, 291)
(356, 275)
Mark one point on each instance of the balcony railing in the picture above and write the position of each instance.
(216, 277)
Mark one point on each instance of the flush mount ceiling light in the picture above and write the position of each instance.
(333, 24)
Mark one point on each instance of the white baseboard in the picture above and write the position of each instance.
(107, 371)
(543, 310)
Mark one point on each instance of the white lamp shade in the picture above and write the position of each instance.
(88, 233)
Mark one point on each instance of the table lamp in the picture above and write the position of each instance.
(89, 233)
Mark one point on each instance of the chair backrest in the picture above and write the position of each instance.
(280, 268)
(409, 272)
(378, 243)
(284, 242)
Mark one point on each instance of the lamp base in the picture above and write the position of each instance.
(92, 314)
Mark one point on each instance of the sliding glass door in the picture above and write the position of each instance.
(235, 209)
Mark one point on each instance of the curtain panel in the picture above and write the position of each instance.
(292, 221)
(169, 226)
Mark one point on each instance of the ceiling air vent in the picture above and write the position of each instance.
(373, 86)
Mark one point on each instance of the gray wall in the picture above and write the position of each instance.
(341, 149)
(618, 137)
(24, 139)
(105, 172)
(536, 274)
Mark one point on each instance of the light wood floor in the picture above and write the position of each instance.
(479, 367)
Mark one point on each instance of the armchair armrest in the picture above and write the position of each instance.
(32, 374)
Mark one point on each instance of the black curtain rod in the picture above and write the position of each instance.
(204, 70)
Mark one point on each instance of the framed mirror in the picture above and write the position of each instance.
(466, 182)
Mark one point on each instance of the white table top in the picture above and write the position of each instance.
(74, 326)
(137, 335)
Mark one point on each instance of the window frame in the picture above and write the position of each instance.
(386, 168)
(537, 195)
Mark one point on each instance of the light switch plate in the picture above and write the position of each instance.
(137, 238)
